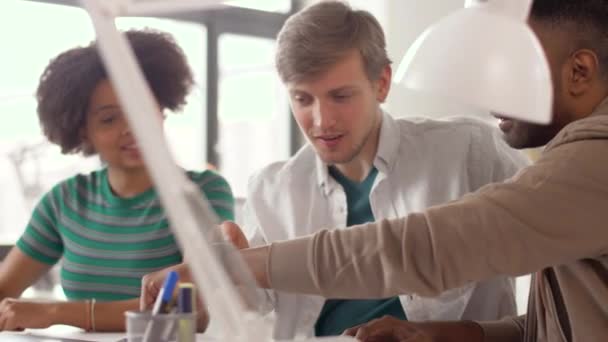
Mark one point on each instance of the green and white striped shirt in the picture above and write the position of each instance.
(107, 243)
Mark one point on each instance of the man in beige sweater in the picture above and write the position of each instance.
(549, 219)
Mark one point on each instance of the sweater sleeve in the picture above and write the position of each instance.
(218, 192)
(41, 239)
(518, 227)
(507, 330)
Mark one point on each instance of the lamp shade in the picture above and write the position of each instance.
(486, 58)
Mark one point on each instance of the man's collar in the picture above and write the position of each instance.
(388, 144)
(601, 109)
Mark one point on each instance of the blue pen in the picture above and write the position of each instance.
(161, 306)
(154, 330)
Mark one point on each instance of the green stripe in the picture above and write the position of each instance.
(214, 185)
(55, 246)
(106, 192)
(115, 211)
(74, 216)
(26, 249)
(94, 279)
(100, 296)
(44, 210)
(221, 196)
(41, 222)
(224, 215)
(55, 196)
(123, 264)
(113, 246)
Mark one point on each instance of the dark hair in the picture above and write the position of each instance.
(589, 20)
(68, 81)
(317, 37)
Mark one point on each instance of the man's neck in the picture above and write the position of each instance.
(359, 167)
(129, 183)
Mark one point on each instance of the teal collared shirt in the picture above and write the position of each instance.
(339, 315)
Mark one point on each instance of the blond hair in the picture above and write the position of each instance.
(316, 38)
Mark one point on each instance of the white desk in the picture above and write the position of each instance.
(61, 333)
(64, 333)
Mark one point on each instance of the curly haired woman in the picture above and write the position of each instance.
(107, 227)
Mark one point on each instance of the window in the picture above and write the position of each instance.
(253, 111)
(30, 165)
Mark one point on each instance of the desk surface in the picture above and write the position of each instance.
(62, 333)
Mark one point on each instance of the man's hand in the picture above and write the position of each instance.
(388, 329)
(234, 234)
(18, 314)
(395, 330)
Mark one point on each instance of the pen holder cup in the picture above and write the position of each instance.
(142, 326)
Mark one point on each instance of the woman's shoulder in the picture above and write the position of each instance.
(206, 178)
(90, 181)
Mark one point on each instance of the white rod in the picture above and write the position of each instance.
(187, 209)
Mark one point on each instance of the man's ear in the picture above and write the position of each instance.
(384, 83)
(582, 71)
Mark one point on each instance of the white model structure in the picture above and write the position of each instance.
(216, 269)
(215, 265)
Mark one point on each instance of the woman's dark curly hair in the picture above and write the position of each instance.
(67, 83)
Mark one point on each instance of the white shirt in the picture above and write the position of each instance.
(421, 163)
